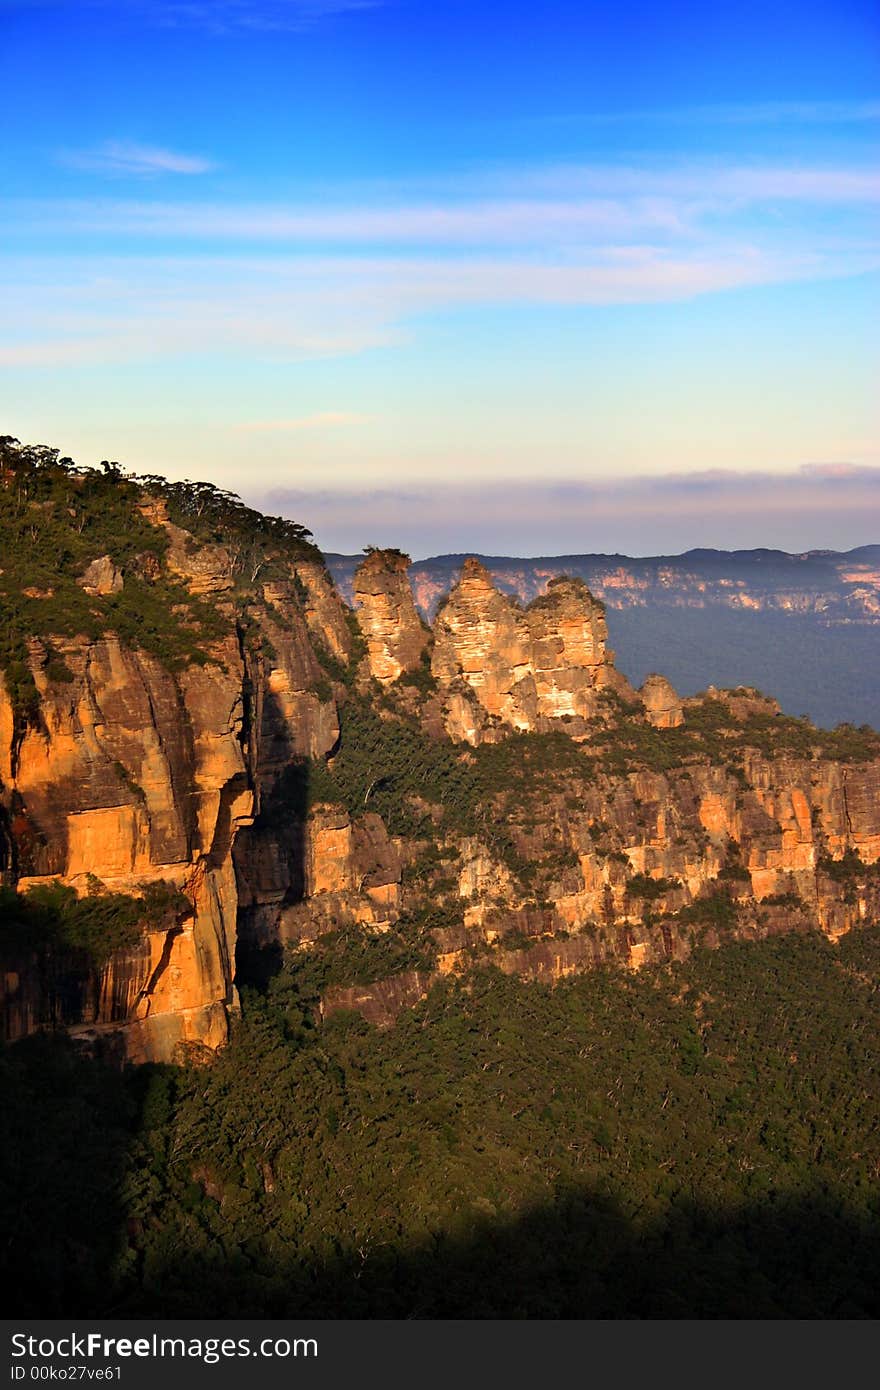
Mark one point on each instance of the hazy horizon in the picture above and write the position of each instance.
(817, 508)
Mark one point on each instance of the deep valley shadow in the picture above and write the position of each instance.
(70, 1250)
(576, 1258)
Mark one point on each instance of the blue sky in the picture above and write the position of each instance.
(402, 266)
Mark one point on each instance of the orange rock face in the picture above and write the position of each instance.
(329, 866)
(525, 667)
(118, 784)
(325, 615)
(387, 617)
(132, 775)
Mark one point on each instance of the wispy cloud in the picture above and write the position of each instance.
(795, 113)
(212, 16)
(60, 312)
(551, 205)
(451, 223)
(714, 185)
(347, 274)
(124, 157)
(321, 419)
(784, 112)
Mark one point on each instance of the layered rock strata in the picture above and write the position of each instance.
(642, 868)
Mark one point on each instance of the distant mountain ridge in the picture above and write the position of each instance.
(844, 586)
(804, 627)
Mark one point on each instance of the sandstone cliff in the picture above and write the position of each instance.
(518, 803)
(133, 775)
(642, 868)
(127, 770)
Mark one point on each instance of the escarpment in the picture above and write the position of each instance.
(192, 711)
(580, 821)
(130, 775)
(157, 678)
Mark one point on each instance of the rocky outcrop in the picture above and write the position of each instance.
(395, 636)
(686, 615)
(841, 587)
(640, 869)
(524, 667)
(101, 577)
(663, 707)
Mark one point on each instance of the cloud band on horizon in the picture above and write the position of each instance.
(818, 506)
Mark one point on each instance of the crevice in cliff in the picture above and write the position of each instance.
(19, 731)
(7, 846)
(251, 711)
(269, 855)
(224, 831)
(846, 814)
(159, 969)
(185, 797)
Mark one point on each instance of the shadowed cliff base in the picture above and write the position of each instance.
(269, 854)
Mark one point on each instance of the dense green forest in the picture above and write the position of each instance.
(692, 1140)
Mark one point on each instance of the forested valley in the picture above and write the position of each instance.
(696, 1140)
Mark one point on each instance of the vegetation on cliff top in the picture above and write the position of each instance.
(623, 741)
(690, 1141)
(56, 518)
(427, 788)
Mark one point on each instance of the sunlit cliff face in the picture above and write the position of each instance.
(629, 836)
